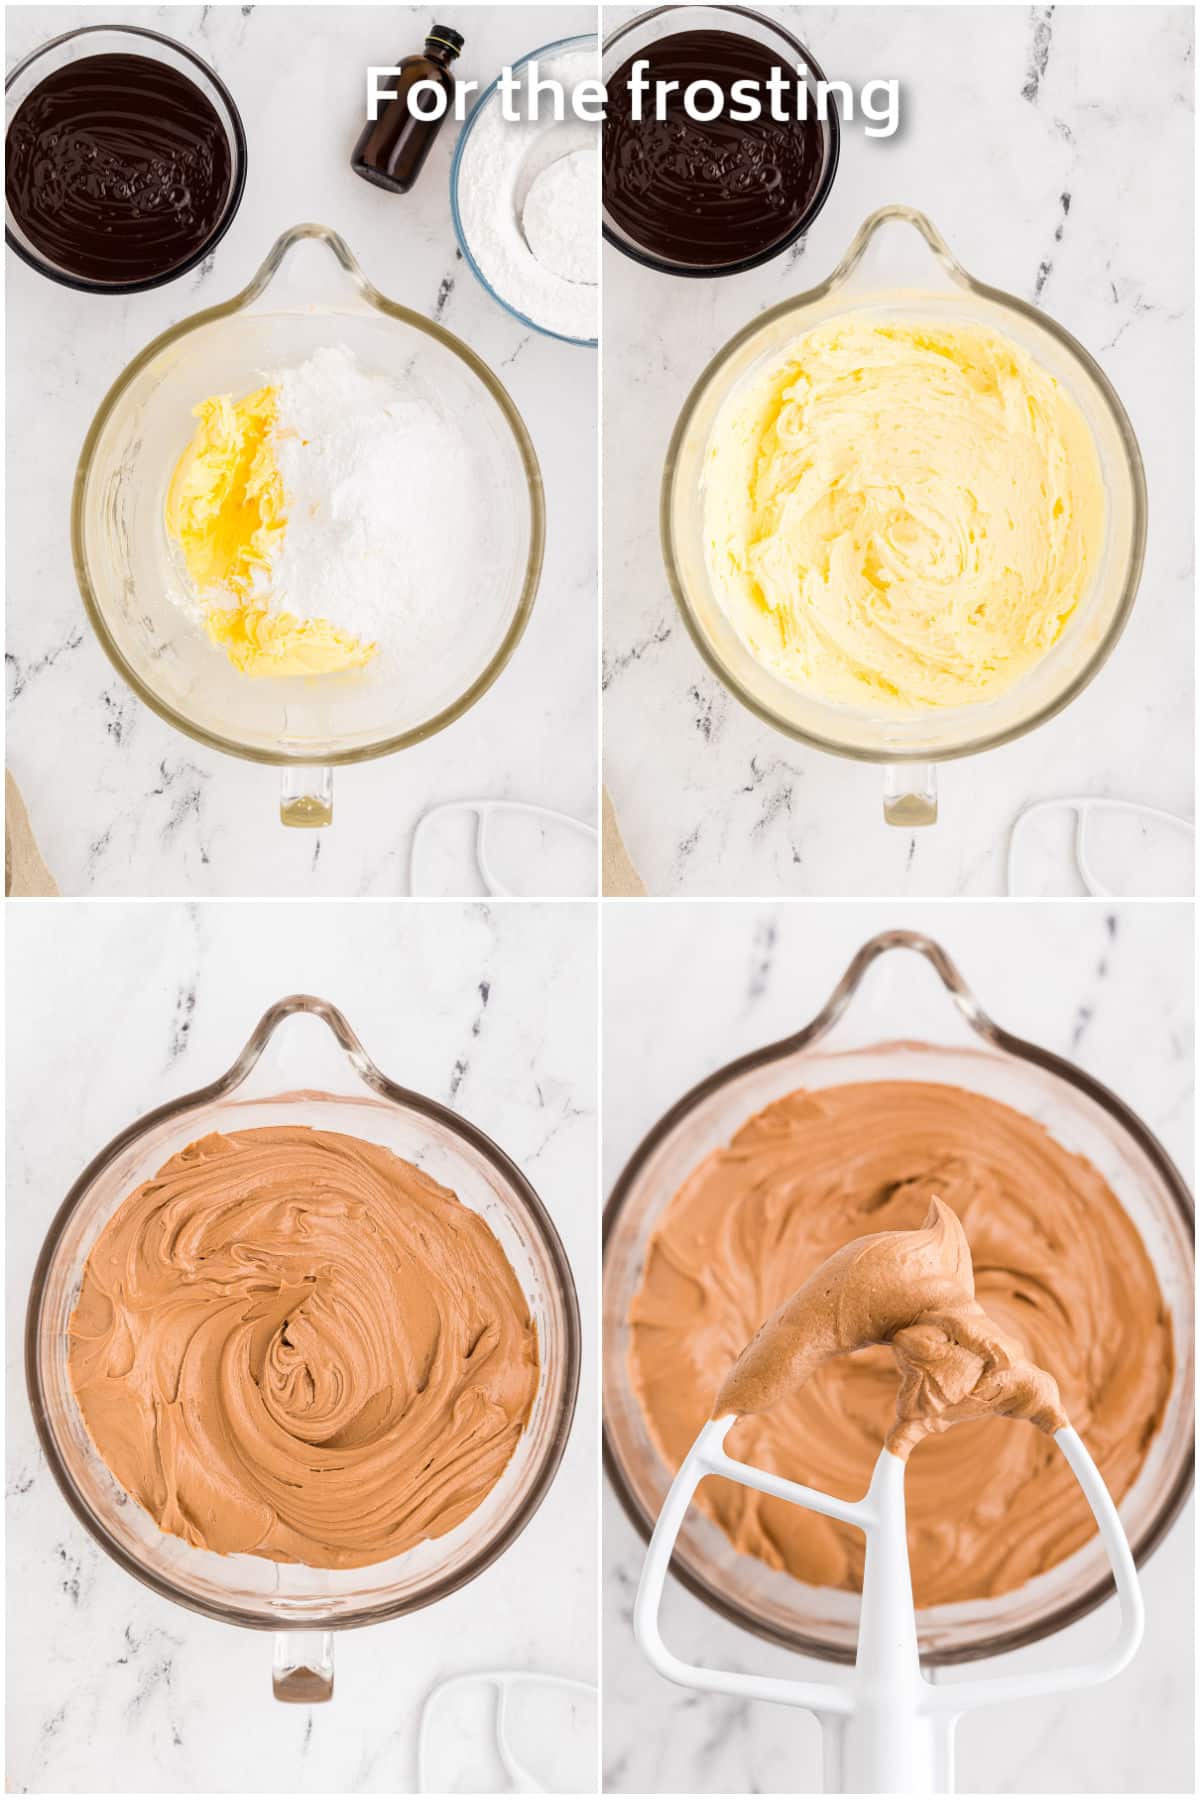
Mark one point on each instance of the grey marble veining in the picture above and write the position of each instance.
(1107, 986)
(121, 803)
(1053, 148)
(114, 1009)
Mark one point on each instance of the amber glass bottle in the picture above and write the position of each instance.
(392, 149)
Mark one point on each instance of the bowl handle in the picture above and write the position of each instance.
(302, 1669)
(910, 794)
(308, 268)
(306, 797)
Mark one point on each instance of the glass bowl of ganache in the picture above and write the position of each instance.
(691, 185)
(125, 159)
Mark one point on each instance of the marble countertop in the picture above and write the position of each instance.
(121, 803)
(1062, 976)
(114, 1009)
(1054, 176)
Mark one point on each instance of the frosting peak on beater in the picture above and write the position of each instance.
(915, 1292)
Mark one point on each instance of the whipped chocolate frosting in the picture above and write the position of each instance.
(1059, 1269)
(914, 1291)
(294, 1344)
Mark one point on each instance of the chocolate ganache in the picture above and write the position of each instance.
(707, 194)
(118, 169)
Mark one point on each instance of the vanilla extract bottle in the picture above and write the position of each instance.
(392, 149)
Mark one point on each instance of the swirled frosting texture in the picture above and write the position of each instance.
(294, 1344)
(901, 516)
(1058, 1265)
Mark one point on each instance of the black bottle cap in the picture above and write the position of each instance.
(448, 38)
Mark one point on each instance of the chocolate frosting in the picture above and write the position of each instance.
(914, 1291)
(1058, 1267)
(293, 1343)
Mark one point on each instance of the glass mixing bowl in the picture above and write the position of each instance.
(978, 1055)
(899, 265)
(299, 1076)
(126, 40)
(309, 294)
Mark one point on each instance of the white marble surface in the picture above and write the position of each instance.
(121, 803)
(1053, 148)
(112, 1009)
(1062, 977)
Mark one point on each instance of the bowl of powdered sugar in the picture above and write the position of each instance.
(525, 195)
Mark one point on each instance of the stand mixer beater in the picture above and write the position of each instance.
(885, 1728)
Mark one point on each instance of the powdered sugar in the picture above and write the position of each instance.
(537, 263)
(559, 217)
(376, 538)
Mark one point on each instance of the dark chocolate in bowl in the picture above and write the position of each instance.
(712, 197)
(121, 170)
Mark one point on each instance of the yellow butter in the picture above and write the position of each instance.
(260, 642)
(901, 516)
(227, 511)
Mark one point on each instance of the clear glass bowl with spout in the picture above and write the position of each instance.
(309, 294)
(898, 265)
(886, 1023)
(304, 1065)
